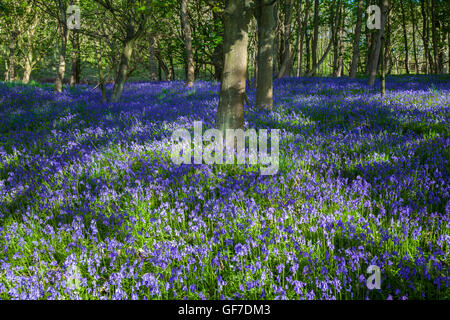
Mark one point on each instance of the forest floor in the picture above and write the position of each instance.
(92, 206)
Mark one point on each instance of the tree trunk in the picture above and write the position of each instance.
(264, 83)
(376, 55)
(382, 66)
(12, 57)
(230, 112)
(286, 64)
(62, 53)
(123, 69)
(75, 76)
(405, 39)
(153, 68)
(315, 36)
(101, 78)
(333, 26)
(28, 67)
(188, 44)
(355, 57)
(218, 51)
(301, 33)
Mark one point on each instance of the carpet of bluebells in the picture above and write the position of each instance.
(92, 207)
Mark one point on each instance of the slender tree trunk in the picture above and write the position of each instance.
(340, 71)
(101, 78)
(382, 66)
(425, 39)
(435, 35)
(218, 50)
(405, 38)
(301, 33)
(230, 112)
(413, 17)
(62, 53)
(374, 65)
(153, 62)
(264, 84)
(12, 57)
(75, 76)
(355, 56)
(123, 69)
(286, 64)
(187, 43)
(315, 36)
(333, 26)
(308, 54)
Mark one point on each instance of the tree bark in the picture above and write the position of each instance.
(315, 36)
(301, 33)
(153, 67)
(355, 56)
(376, 55)
(230, 112)
(190, 74)
(122, 72)
(101, 78)
(264, 81)
(12, 57)
(76, 66)
(285, 68)
(413, 17)
(62, 53)
(405, 38)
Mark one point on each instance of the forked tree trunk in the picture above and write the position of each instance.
(230, 112)
(264, 83)
(122, 72)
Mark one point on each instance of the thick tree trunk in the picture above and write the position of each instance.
(264, 83)
(230, 112)
(188, 44)
(405, 38)
(28, 67)
(122, 72)
(425, 37)
(355, 56)
(376, 55)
